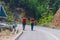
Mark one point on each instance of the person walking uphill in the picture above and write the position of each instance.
(24, 22)
(32, 23)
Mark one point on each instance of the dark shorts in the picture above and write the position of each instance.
(32, 24)
(24, 23)
(13, 26)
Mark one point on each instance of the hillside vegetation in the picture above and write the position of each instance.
(42, 10)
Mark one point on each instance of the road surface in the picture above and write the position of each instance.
(40, 33)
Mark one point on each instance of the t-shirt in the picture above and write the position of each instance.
(32, 20)
(24, 20)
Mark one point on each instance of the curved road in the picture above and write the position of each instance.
(40, 33)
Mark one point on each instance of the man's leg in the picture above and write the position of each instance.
(32, 26)
(24, 26)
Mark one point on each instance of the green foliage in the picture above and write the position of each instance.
(9, 13)
(41, 10)
(45, 20)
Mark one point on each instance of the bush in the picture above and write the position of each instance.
(45, 20)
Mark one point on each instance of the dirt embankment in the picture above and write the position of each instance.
(56, 21)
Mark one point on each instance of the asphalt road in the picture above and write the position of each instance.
(40, 33)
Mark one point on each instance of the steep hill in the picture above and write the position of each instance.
(56, 20)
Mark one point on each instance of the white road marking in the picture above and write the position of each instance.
(50, 34)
